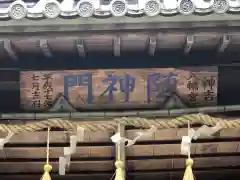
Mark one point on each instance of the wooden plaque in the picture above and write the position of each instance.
(120, 88)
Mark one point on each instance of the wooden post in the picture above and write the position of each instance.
(120, 147)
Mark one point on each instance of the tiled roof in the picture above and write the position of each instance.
(100, 9)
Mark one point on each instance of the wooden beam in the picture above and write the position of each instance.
(117, 46)
(173, 149)
(214, 174)
(99, 116)
(133, 165)
(80, 47)
(185, 23)
(188, 44)
(104, 137)
(152, 45)
(166, 164)
(224, 42)
(44, 46)
(8, 47)
(76, 35)
(9, 85)
(167, 150)
(82, 176)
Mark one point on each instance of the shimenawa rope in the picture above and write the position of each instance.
(112, 125)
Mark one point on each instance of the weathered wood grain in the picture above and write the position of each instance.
(103, 137)
(29, 139)
(136, 150)
(132, 165)
(212, 174)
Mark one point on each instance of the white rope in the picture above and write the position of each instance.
(48, 145)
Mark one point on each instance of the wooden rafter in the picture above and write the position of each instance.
(80, 47)
(152, 45)
(45, 48)
(8, 47)
(117, 46)
(188, 44)
(224, 42)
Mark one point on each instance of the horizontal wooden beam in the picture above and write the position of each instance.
(123, 23)
(133, 151)
(99, 116)
(133, 165)
(156, 175)
(104, 137)
(145, 35)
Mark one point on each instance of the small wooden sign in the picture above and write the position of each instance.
(120, 88)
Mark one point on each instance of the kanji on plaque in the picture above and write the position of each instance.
(208, 84)
(36, 102)
(79, 80)
(193, 87)
(161, 85)
(126, 83)
(119, 88)
(48, 89)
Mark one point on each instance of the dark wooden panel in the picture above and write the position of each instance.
(132, 165)
(9, 91)
(229, 85)
(9, 75)
(9, 100)
(136, 150)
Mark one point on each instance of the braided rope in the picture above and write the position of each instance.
(112, 125)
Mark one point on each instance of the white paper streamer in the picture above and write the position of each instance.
(68, 151)
(117, 138)
(192, 134)
(5, 140)
(80, 133)
(62, 166)
(186, 142)
(207, 131)
(185, 145)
